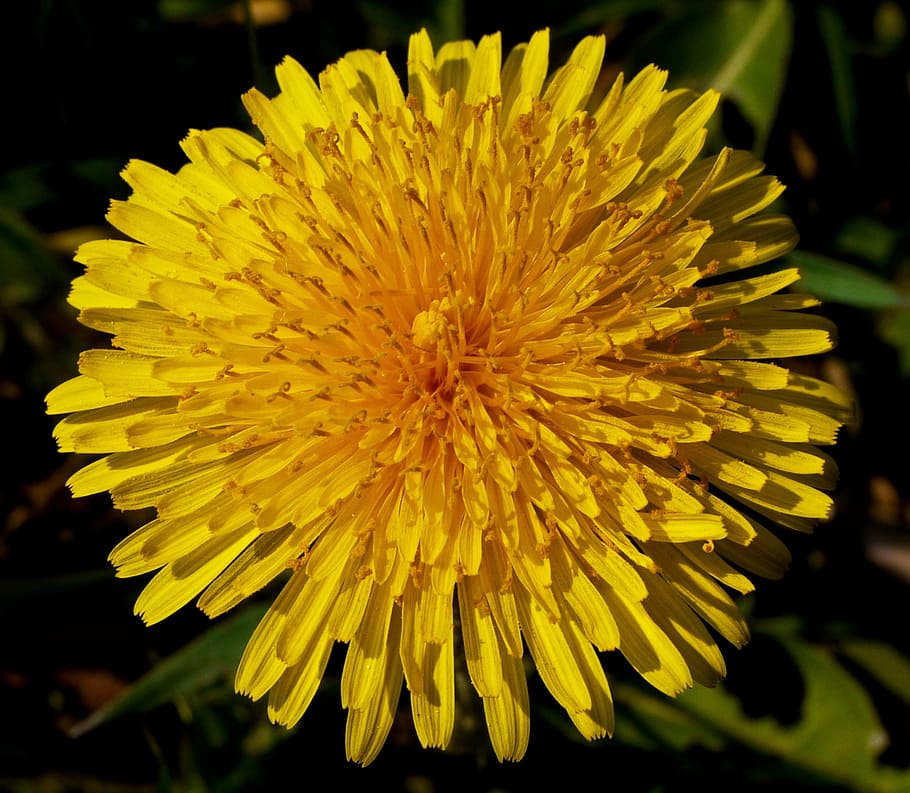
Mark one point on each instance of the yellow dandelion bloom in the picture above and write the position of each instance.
(474, 366)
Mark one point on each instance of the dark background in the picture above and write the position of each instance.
(820, 700)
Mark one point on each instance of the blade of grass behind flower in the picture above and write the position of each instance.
(834, 34)
(213, 655)
(839, 282)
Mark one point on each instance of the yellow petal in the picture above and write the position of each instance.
(79, 393)
(484, 80)
(583, 598)
(791, 458)
(294, 690)
(454, 63)
(524, 72)
(651, 653)
(481, 644)
(685, 528)
(369, 724)
(786, 495)
(369, 652)
(705, 596)
(306, 621)
(433, 705)
(554, 657)
(300, 92)
(180, 581)
(508, 714)
(260, 666)
(124, 374)
(597, 721)
(264, 560)
(571, 85)
(106, 429)
(688, 633)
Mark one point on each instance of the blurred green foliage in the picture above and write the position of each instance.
(93, 701)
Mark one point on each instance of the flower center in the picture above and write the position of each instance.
(436, 263)
(431, 329)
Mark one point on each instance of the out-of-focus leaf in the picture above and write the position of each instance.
(388, 25)
(839, 282)
(186, 10)
(18, 595)
(40, 185)
(597, 14)
(838, 737)
(24, 188)
(213, 655)
(164, 783)
(837, 47)
(883, 662)
(450, 15)
(27, 268)
(894, 327)
(98, 172)
(67, 241)
(740, 48)
(651, 722)
(867, 239)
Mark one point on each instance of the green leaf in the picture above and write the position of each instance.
(391, 25)
(883, 662)
(213, 655)
(834, 35)
(651, 722)
(187, 10)
(740, 48)
(597, 14)
(450, 15)
(838, 736)
(866, 239)
(388, 26)
(894, 328)
(25, 188)
(27, 268)
(840, 282)
(22, 594)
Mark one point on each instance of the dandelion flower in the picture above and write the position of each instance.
(476, 370)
